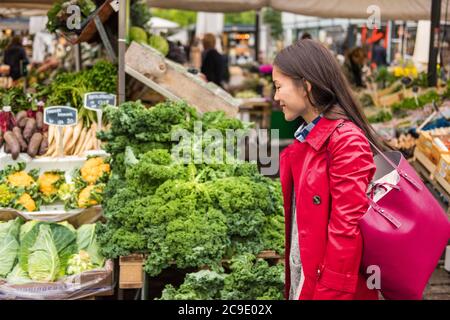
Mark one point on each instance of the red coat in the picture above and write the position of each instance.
(330, 173)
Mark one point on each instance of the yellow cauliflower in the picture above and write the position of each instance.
(26, 201)
(20, 179)
(47, 183)
(86, 199)
(93, 169)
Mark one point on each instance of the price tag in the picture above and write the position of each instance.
(60, 116)
(95, 100)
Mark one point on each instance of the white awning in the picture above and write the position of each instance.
(389, 9)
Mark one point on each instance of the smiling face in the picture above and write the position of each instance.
(292, 97)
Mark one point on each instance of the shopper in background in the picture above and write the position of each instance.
(324, 175)
(379, 54)
(16, 58)
(306, 35)
(212, 61)
(353, 66)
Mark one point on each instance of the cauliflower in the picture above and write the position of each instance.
(48, 183)
(20, 179)
(79, 262)
(90, 196)
(5, 195)
(66, 191)
(93, 169)
(27, 202)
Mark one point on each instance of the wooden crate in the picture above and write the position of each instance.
(425, 161)
(131, 274)
(90, 30)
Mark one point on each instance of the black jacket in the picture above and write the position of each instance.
(213, 66)
(16, 59)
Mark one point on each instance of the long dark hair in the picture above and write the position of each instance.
(16, 41)
(308, 60)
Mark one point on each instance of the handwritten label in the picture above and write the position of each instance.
(96, 100)
(60, 116)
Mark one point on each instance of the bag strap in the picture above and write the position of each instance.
(401, 172)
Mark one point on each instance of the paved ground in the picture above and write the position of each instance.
(438, 288)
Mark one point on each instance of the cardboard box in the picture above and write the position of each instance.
(131, 274)
(425, 143)
(438, 149)
(444, 167)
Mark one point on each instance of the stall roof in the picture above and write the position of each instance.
(389, 9)
(26, 4)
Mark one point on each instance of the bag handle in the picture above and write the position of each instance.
(402, 173)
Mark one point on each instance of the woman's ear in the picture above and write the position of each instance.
(308, 85)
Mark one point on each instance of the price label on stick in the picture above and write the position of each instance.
(60, 116)
(96, 100)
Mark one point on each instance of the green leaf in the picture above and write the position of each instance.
(43, 261)
(9, 245)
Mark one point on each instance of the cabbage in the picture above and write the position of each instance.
(27, 226)
(48, 238)
(43, 261)
(87, 241)
(159, 43)
(79, 263)
(9, 245)
(138, 34)
(18, 276)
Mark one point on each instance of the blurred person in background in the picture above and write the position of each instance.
(353, 67)
(379, 54)
(16, 58)
(306, 35)
(212, 61)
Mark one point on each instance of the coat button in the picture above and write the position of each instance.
(317, 200)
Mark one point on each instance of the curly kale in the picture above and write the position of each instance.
(250, 279)
(253, 279)
(185, 214)
(201, 285)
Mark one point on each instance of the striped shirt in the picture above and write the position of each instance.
(303, 131)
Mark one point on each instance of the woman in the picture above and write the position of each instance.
(353, 67)
(212, 61)
(324, 174)
(16, 58)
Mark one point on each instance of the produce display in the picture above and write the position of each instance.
(28, 191)
(187, 214)
(36, 251)
(249, 279)
(22, 127)
(24, 132)
(139, 35)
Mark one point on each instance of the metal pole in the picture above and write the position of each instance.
(122, 48)
(389, 40)
(257, 26)
(101, 30)
(77, 53)
(434, 42)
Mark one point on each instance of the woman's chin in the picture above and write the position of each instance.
(289, 117)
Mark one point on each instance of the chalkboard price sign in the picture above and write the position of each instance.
(60, 116)
(95, 100)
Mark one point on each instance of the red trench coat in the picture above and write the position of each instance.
(330, 173)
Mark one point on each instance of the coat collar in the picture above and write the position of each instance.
(321, 131)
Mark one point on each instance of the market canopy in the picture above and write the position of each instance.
(27, 4)
(389, 9)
